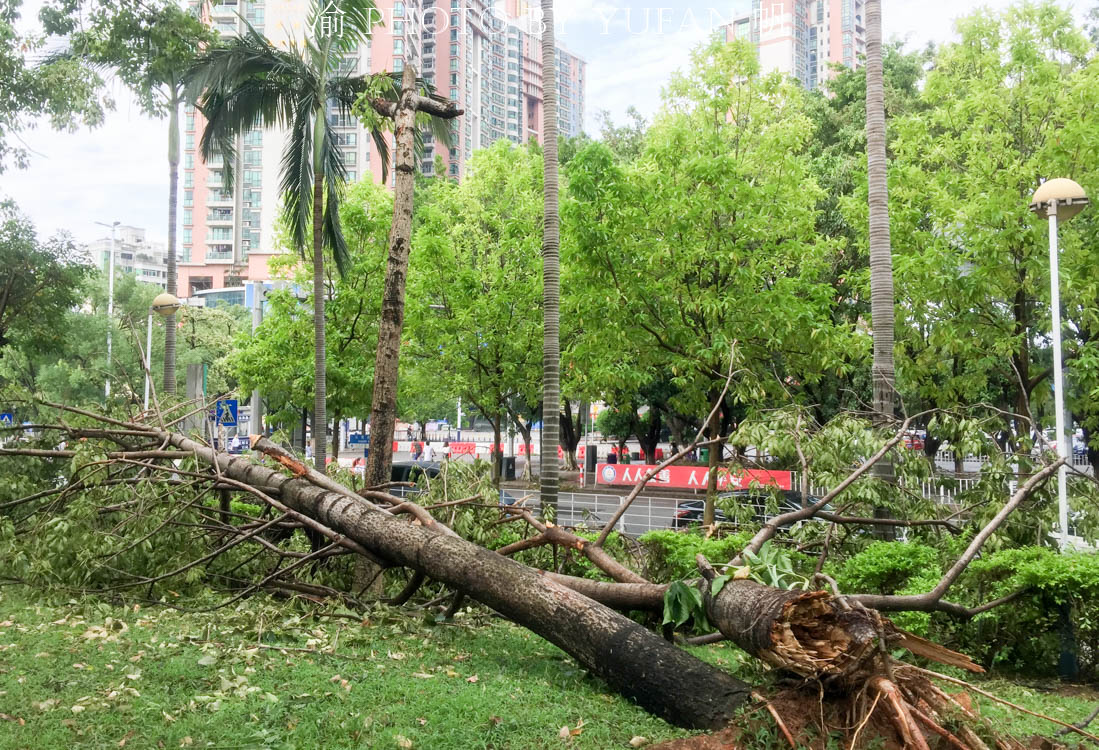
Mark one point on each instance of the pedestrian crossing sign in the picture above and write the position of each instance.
(7, 419)
(225, 413)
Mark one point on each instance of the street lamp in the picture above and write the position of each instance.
(1058, 199)
(110, 305)
(164, 304)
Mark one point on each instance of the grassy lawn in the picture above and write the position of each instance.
(89, 675)
(85, 674)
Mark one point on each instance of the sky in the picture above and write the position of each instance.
(119, 171)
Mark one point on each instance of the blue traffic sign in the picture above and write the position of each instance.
(225, 412)
(7, 419)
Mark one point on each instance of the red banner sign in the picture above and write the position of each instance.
(689, 477)
(462, 449)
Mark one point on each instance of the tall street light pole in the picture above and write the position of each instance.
(1058, 200)
(110, 305)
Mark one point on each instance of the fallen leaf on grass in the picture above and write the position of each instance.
(474, 678)
(9, 717)
(423, 675)
(403, 742)
(639, 741)
(45, 705)
(208, 661)
(186, 741)
(122, 742)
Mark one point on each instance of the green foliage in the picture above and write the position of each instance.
(683, 602)
(704, 245)
(41, 281)
(40, 86)
(474, 289)
(670, 555)
(885, 567)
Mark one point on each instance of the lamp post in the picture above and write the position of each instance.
(164, 304)
(110, 304)
(1058, 200)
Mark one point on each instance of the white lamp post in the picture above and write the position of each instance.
(110, 304)
(1058, 199)
(164, 304)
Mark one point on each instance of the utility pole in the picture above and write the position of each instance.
(110, 306)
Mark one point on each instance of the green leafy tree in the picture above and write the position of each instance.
(475, 288)
(39, 282)
(39, 84)
(705, 249)
(1013, 102)
(150, 47)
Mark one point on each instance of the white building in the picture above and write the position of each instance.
(133, 254)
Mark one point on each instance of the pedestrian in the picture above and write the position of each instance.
(417, 450)
(408, 432)
(429, 452)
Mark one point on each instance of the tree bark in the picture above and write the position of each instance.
(383, 410)
(549, 475)
(882, 297)
(171, 287)
(320, 391)
(635, 662)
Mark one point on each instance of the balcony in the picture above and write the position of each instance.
(219, 216)
(218, 197)
(219, 253)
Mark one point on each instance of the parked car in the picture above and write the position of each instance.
(411, 471)
(690, 511)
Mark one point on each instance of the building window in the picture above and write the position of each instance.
(188, 197)
(188, 217)
(189, 141)
(398, 28)
(352, 176)
(398, 64)
(398, 10)
(188, 161)
(454, 63)
(186, 236)
(190, 121)
(398, 46)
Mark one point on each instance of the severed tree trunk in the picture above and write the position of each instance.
(383, 409)
(660, 677)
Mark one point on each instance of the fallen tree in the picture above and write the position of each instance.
(834, 642)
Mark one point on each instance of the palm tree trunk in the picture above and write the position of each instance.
(881, 259)
(320, 391)
(173, 199)
(383, 410)
(549, 479)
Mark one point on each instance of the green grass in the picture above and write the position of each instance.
(270, 675)
(88, 675)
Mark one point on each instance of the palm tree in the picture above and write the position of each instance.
(150, 48)
(249, 82)
(881, 258)
(551, 262)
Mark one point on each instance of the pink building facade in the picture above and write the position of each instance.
(486, 56)
(804, 38)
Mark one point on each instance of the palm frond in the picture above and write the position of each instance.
(349, 24)
(297, 179)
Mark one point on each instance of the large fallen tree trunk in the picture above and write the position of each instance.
(658, 676)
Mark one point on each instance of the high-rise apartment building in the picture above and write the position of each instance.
(804, 37)
(146, 260)
(484, 55)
